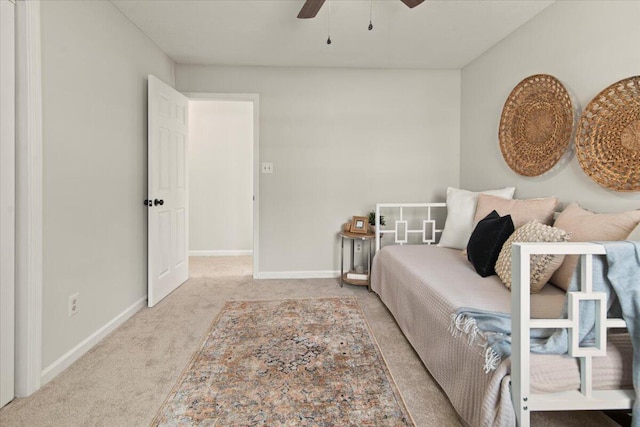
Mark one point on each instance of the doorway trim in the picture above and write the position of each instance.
(28, 367)
(7, 201)
(255, 99)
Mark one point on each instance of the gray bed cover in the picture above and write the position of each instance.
(423, 285)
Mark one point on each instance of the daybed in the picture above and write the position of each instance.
(423, 285)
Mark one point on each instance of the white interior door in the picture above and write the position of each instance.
(7, 201)
(168, 202)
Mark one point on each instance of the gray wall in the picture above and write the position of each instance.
(340, 141)
(94, 69)
(220, 177)
(587, 45)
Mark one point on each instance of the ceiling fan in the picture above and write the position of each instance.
(311, 7)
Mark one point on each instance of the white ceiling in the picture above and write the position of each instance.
(438, 34)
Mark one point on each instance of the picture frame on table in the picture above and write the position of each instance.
(360, 224)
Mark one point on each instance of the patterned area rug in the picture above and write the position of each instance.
(287, 362)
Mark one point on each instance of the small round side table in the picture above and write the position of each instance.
(365, 279)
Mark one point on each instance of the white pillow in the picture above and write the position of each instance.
(461, 209)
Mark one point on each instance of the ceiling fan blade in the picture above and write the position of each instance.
(412, 3)
(310, 9)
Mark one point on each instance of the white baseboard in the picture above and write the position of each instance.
(75, 353)
(297, 275)
(221, 253)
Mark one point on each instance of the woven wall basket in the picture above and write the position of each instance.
(608, 136)
(536, 125)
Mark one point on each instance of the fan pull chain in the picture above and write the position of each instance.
(329, 24)
(370, 14)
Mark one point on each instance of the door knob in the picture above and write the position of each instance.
(157, 202)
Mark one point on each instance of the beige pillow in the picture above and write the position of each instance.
(521, 211)
(587, 226)
(635, 234)
(542, 266)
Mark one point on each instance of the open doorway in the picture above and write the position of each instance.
(221, 185)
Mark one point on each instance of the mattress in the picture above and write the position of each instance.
(423, 285)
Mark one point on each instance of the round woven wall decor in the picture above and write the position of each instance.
(608, 136)
(536, 125)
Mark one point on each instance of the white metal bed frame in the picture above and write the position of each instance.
(403, 225)
(524, 401)
(586, 398)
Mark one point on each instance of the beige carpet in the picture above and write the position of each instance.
(125, 379)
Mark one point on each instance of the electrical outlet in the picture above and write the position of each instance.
(73, 305)
(267, 167)
(358, 246)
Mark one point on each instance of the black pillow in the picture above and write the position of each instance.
(486, 242)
